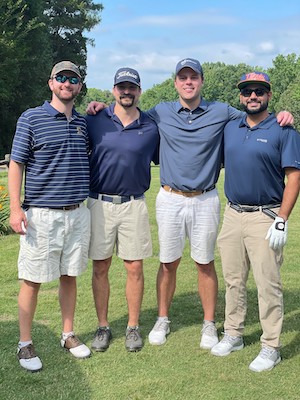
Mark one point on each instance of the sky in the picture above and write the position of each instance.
(151, 36)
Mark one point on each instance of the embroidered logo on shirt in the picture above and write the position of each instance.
(140, 132)
(79, 130)
(262, 140)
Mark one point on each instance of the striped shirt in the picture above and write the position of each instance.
(55, 153)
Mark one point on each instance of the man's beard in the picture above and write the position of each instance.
(263, 107)
(127, 103)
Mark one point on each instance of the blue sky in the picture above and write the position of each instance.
(153, 35)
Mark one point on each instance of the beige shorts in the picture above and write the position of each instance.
(122, 226)
(56, 243)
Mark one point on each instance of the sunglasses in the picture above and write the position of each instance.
(258, 92)
(63, 78)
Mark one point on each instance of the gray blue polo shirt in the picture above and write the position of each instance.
(191, 142)
(255, 159)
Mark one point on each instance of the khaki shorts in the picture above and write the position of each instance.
(196, 218)
(56, 243)
(123, 226)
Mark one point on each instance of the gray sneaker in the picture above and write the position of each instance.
(102, 338)
(209, 335)
(227, 345)
(266, 360)
(133, 341)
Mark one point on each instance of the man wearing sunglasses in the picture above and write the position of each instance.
(51, 146)
(259, 156)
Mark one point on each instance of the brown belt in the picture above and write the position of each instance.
(187, 194)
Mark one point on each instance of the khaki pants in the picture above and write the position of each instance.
(242, 243)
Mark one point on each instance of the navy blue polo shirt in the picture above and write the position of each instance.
(191, 147)
(120, 156)
(55, 153)
(255, 159)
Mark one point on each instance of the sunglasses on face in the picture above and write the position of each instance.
(63, 78)
(258, 92)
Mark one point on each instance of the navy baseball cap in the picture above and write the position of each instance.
(127, 75)
(255, 77)
(189, 63)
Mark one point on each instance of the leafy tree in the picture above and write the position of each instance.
(220, 82)
(282, 74)
(67, 20)
(290, 100)
(162, 92)
(35, 34)
(105, 96)
(24, 55)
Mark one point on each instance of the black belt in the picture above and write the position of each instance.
(115, 199)
(64, 208)
(266, 208)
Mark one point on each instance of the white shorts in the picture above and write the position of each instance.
(179, 217)
(56, 243)
(124, 226)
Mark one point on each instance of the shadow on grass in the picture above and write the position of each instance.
(186, 311)
(60, 378)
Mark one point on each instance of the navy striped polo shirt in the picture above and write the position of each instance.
(55, 153)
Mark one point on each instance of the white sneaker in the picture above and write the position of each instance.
(227, 345)
(28, 359)
(159, 332)
(75, 347)
(266, 360)
(209, 336)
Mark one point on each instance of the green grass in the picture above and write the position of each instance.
(177, 370)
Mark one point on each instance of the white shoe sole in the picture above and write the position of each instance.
(236, 348)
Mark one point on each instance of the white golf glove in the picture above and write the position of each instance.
(277, 233)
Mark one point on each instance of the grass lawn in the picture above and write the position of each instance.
(177, 370)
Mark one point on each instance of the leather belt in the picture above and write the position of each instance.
(115, 199)
(266, 208)
(64, 208)
(188, 194)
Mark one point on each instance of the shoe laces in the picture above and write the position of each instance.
(209, 329)
(229, 339)
(267, 352)
(132, 333)
(102, 332)
(72, 341)
(162, 325)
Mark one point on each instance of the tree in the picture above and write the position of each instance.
(162, 92)
(24, 55)
(67, 20)
(282, 74)
(35, 35)
(290, 100)
(105, 96)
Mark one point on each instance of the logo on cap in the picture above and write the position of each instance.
(127, 75)
(255, 77)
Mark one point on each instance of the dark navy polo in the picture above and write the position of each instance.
(191, 146)
(121, 156)
(255, 159)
